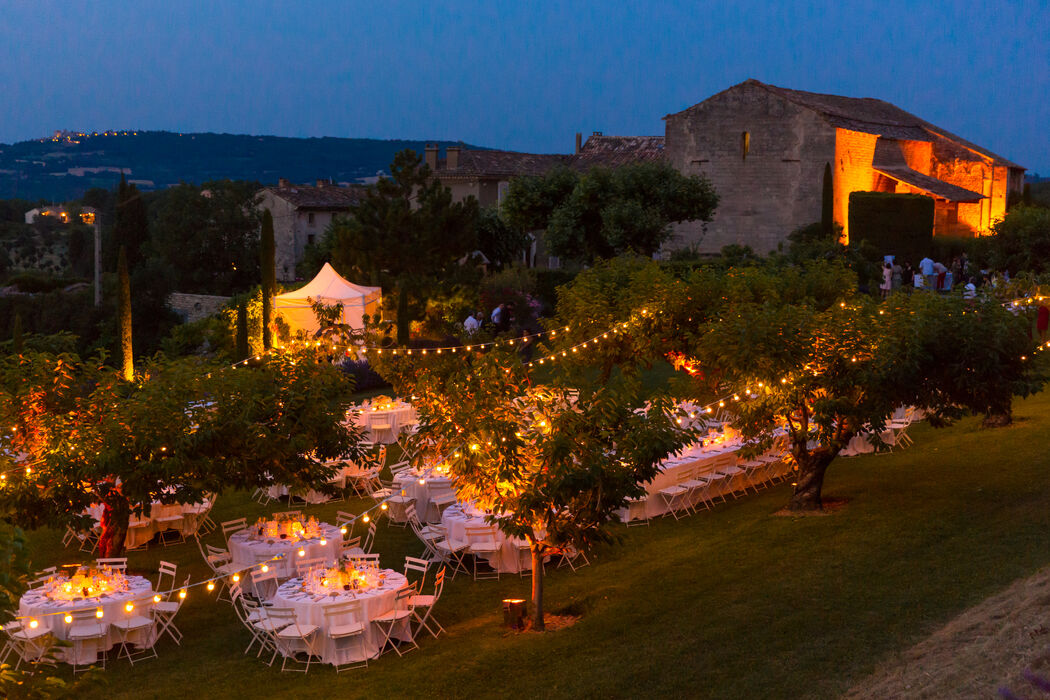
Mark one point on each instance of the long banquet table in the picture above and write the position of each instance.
(703, 459)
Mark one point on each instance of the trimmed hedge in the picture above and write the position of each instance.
(894, 224)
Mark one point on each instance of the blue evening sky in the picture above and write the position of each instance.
(507, 73)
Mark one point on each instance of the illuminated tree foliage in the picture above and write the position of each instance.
(829, 373)
(554, 461)
(184, 429)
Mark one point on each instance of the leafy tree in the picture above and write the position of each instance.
(188, 429)
(127, 355)
(610, 211)
(1021, 240)
(268, 264)
(130, 225)
(501, 243)
(531, 201)
(553, 462)
(205, 239)
(408, 230)
(829, 372)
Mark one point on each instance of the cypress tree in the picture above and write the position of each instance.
(127, 358)
(16, 335)
(268, 265)
(130, 225)
(1026, 194)
(242, 330)
(827, 204)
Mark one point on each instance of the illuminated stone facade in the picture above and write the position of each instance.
(764, 149)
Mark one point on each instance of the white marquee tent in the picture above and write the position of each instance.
(329, 288)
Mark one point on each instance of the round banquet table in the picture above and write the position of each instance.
(509, 557)
(247, 551)
(35, 604)
(396, 417)
(309, 609)
(408, 482)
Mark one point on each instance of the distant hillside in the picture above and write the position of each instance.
(65, 166)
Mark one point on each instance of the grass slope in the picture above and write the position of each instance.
(735, 603)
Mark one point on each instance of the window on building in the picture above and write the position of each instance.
(310, 238)
(745, 144)
(310, 218)
(953, 213)
(501, 192)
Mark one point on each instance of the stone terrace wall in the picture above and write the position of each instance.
(194, 307)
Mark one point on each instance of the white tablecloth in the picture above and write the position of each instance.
(704, 458)
(309, 609)
(51, 614)
(247, 551)
(397, 417)
(409, 482)
(508, 559)
(859, 444)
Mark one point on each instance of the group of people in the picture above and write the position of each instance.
(936, 276)
(500, 319)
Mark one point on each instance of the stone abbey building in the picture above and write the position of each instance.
(764, 149)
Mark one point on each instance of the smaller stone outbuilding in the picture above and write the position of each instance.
(301, 214)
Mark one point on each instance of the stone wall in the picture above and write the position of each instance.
(194, 307)
(854, 151)
(765, 193)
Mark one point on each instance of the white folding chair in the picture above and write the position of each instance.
(483, 546)
(115, 563)
(452, 552)
(166, 570)
(231, 526)
(343, 626)
(290, 634)
(27, 641)
(387, 621)
(303, 566)
(426, 603)
(164, 612)
(264, 583)
(419, 566)
(136, 619)
(570, 556)
(88, 635)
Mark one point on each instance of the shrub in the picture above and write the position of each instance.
(365, 377)
(894, 224)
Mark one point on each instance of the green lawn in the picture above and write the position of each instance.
(734, 603)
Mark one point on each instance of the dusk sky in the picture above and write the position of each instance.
(513, 75)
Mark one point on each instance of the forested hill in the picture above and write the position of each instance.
(65, 166)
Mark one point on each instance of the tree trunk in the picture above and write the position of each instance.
(537, 588)
(124, 311)
(116, 514)
(404, 323)
(810, 480)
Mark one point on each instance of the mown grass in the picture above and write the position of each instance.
(736, 603)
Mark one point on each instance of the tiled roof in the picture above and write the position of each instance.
(931, 185)
(608, 151)
(326, 197)
(614, 151)
(494, 163)
(871, 116)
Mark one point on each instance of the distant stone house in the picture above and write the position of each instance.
(486, 175)
(764, 148)
(301, 214)
(87, 214)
